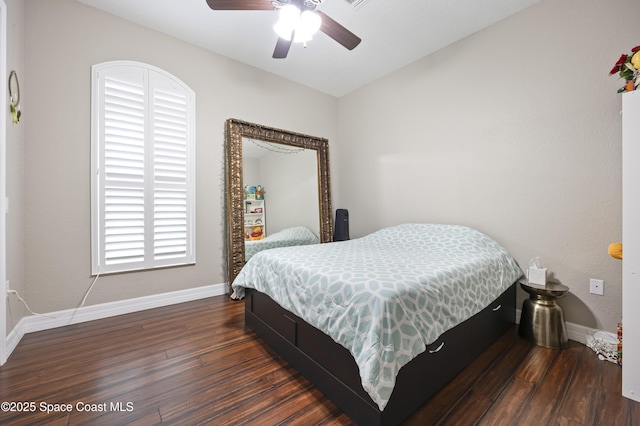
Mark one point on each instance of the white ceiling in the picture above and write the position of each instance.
(394, 33)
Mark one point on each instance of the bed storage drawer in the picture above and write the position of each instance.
(334, 373)
(309, 340)
(494, 320)
(332, 357)
(283, 324)
(431, 370)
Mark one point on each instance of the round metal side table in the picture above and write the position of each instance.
(542, 319)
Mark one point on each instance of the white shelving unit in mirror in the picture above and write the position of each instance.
(255, 215)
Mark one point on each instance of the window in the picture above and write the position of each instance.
(143, 168)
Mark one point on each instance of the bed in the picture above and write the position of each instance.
(294, 236)
(382, 322)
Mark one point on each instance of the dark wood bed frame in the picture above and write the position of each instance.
(332, 369)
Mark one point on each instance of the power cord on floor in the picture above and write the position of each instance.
(24, 302)
(606, 350)
(84, 299)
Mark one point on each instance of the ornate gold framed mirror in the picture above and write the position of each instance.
(242, 136)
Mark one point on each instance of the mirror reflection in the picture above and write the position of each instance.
(277, 190)
(280, 195)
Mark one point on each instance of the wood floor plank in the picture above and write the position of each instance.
(521, 388)
(146, 419)
(632, 412)
(581, 402)
(493, 382)
(197, 363)
(288, 409)
(250, 411)
(505, 411)
(318, 413)
(263, 377)
(552, 390)
(612, 408)
(439, 405)
(209, 377)
(482, 394)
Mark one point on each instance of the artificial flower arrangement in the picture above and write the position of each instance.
(628, 66)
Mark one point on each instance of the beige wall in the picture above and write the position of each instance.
(515, 131)
(63, 39)
(15, 165)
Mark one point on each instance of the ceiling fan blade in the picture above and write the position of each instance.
(240, 4)
(338, 32)
(282, 48)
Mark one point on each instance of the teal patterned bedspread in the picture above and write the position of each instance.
(385, 296)
(294, 236)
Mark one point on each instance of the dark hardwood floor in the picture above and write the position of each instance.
(196, 363)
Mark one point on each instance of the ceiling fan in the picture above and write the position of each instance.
(298, 21)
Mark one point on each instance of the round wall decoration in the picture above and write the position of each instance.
(14, 97)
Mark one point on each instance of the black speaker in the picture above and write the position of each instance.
(341, 226)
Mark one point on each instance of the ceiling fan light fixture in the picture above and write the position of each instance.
(283, 31)
(288, 21)
(290, 15)
(303, 25)
(310, 22)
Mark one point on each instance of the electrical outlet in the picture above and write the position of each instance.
(596, 287)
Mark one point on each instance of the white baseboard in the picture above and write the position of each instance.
(35, 323)
(14, 338)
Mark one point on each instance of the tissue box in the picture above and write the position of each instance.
(537, 276)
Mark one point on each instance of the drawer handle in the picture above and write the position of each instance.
(437, 349)
(496, 308)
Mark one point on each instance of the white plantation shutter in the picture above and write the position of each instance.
(170, 130)
(123, 171)
(143, 161)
